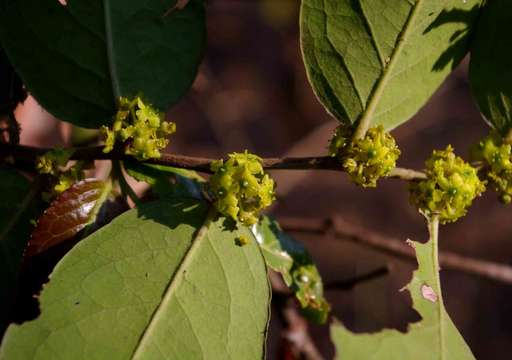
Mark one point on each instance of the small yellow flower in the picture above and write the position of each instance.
(54, 159)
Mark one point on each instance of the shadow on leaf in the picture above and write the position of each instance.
(460, 39)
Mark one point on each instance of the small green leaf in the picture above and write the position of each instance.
(166, 181)
(291, 259)
(382, 59)
(21, 203)
(490, 71)
(164, 281)
(89, 53)
(434, 337)
(69, 213)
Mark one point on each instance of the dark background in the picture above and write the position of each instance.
(252, 93)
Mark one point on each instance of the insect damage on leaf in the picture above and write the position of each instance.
(428, 293)
(433, 337)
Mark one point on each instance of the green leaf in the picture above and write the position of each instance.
(490, 70)
(434, 337)
(291, 259)
(21, 203)
(164, 281)
(91, 52)
(166, 181)
(69, 213)
(380, 60)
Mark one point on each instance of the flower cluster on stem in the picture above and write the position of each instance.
(495, 153)
(451, 186)
(241, 188)
(54, 163)
(367, 159)
(140, 127)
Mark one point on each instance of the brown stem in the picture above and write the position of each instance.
(296, 332)
(343, 230)
(27, 153)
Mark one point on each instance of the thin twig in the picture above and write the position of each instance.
(27, 153)
(296, 332)
(348, 284)
(343, 230)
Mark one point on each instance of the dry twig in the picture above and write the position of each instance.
(343, 230)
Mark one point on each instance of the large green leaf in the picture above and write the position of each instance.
(20, 203)
(165, 281)
(291, 259)
(77, 59)
(490, 68)
(434, 337)
(382, 59)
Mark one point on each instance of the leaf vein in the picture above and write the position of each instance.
(380, 86)
(174, 282)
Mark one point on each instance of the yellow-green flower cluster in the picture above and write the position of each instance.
(54, 163)
(496, 154)
(140, 127)
(450, 187)
(367, 159)
(68, 178)
(241, 188)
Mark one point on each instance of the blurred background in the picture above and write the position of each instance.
(252, 93)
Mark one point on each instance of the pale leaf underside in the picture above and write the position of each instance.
(382, 59)
(434, 337)
(164, 281)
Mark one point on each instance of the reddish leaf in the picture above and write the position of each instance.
(73, 210)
